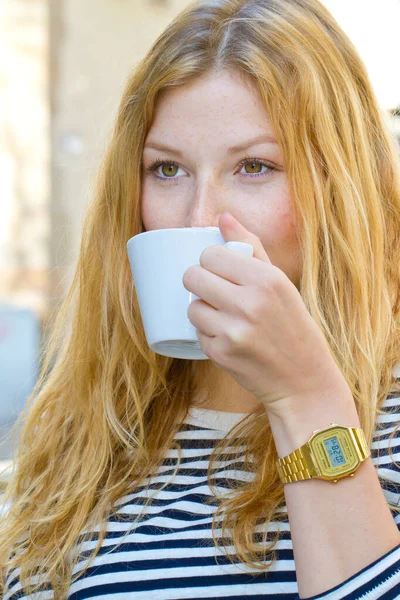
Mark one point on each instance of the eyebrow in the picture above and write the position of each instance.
(264, 138)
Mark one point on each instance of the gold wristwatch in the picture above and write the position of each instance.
(330, 454)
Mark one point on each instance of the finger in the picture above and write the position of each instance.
(232, 266)
(216, 291)
(203, 317)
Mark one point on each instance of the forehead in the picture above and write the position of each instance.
(217, 98)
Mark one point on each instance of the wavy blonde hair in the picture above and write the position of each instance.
(104, 410)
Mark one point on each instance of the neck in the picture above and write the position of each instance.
(215, 389)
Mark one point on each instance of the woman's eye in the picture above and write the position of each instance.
(253, 167)
(164, 170)
(169, 169)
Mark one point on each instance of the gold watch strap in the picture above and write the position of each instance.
(298, 465)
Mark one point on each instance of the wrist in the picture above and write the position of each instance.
(294, 424)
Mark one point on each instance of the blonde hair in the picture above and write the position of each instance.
(103, 412)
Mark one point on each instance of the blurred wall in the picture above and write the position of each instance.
(62, 70)
(95, 45)
(25, 118)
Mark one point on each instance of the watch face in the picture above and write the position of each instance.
(334, 451)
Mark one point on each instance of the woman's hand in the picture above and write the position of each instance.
(253, 323)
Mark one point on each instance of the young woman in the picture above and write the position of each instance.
(142, 476)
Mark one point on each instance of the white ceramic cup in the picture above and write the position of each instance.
(158, 260)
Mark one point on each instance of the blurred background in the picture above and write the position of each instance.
(63, 66)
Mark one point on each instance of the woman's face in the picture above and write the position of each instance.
(206, 139)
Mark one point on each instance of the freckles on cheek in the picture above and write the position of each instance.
(159, 214)
(280, 234)
(288, 222)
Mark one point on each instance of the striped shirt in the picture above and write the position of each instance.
(170, 553)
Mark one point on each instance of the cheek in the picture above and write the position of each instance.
(285, 216)
(157, 212)
(288, 224)
(279, 237)
(146, 213)
(284, 237)
(286, 253)
(277, 224)
(150, 208)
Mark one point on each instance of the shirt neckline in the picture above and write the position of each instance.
(212, 419)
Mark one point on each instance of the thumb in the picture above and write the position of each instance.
(233, 231)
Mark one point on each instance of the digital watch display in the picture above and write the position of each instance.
(330, 454)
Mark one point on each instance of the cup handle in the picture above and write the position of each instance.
(241, 247)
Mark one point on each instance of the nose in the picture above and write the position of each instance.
(208, 202)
